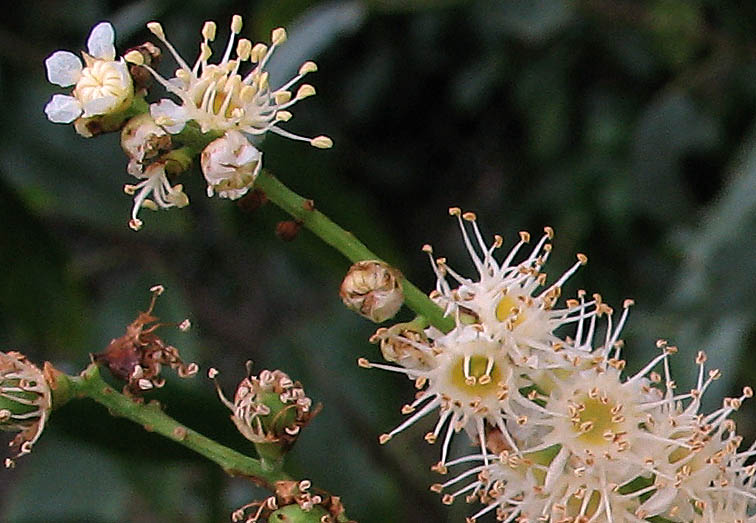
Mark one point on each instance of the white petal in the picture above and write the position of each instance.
(63, 68)
(62, 109)
(102, 105)
(168, 109)
(100, 42)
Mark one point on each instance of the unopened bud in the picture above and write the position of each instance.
(25, 402)
(373, 289)
(230, 165)
(142, 139)
(406, 345)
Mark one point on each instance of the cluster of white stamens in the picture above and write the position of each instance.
(218, 98)
(563, 435)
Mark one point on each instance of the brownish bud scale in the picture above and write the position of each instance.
(150, 55)
(137, 357)
(252, 201)
(25, 402)
(373, 289)
(288, 230)
(269, 410)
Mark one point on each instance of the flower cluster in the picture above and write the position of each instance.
(220, 113)
(563, 435)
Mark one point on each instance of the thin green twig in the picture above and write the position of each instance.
(91, 385)
(345, 242)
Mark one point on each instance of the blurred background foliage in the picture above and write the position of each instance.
(627, 126)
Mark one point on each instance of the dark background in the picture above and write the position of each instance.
(627, 126)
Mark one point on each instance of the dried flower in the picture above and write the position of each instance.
(373, 289)
(219, 99)
(230, 165)
(25, 402)
(102, 83)
(137, 357)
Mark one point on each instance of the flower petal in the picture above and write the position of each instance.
(62, 109)
(101, 105)
(100, 42)
(63, 68)
(169, 115)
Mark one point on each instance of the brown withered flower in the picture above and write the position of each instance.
(137, 357)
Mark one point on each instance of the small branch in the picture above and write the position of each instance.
(91, 385)
(345, 242)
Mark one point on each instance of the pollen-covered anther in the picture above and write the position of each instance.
(430, 438)
(384, 438)
(321, 142)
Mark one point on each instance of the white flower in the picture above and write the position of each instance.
(155, 181)
(230, 165)
(618, 450)
(506, 302)
(102, 84)
(470, 380)
(218, 98)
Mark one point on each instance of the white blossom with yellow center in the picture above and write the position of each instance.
(102, 84)
(218, 98)
(471, 382)
(505, 298)
(619, 450)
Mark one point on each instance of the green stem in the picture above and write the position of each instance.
(91, 385)
(345, 242)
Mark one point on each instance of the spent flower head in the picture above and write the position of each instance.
(269, 409)
(137, 357)
(25, 402)
(218, 98)
(102, 84)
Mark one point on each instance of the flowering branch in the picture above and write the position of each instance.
(91, 385)
(304, 211)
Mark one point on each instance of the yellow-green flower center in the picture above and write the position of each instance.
(479, 375)
(593, 419)
(506, 308)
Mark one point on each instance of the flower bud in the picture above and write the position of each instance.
(230, 165)
(269, 410)
(373, 289)
(25, 402)
(142, 139)
(406, 345)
